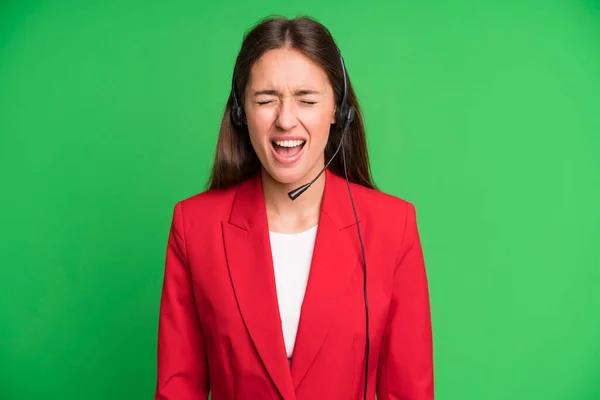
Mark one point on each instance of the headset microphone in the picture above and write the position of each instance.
(299, 190)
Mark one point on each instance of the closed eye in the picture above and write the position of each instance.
(307, 102)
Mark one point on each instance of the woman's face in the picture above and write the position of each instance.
(289, 106)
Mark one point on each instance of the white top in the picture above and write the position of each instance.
(292, 255)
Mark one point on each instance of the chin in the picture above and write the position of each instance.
(289, 176)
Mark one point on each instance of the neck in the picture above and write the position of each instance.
(287, 215)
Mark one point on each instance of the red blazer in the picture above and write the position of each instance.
(219, 326)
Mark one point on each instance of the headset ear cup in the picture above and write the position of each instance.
(351, 114)
(345, 117)
(236, 116)
(233, 115)
(236, 112)
(340, 115)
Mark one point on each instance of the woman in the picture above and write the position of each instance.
(263, 297)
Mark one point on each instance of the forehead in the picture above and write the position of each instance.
(287, 68)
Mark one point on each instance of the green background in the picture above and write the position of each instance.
(485, 114)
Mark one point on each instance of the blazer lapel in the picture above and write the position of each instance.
(250, 262)
(336, 258)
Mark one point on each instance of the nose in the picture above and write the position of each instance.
(286, 117)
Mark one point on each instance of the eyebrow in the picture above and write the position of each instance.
(271, 92)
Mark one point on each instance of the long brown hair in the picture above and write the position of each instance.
(235, 159)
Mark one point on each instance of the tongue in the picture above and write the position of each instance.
(287, 151)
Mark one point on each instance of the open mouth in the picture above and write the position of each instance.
(288, 149)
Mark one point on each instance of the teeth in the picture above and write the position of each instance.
(289, 143)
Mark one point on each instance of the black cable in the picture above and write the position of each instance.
(368, 340)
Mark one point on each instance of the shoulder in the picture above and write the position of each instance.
(213, 203)
(389, 218)
(381, 205)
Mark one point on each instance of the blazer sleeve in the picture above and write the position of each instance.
(182, 371)
(405, 370)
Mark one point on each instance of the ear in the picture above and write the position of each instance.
(333, 119)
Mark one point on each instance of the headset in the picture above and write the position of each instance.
(345, 115)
